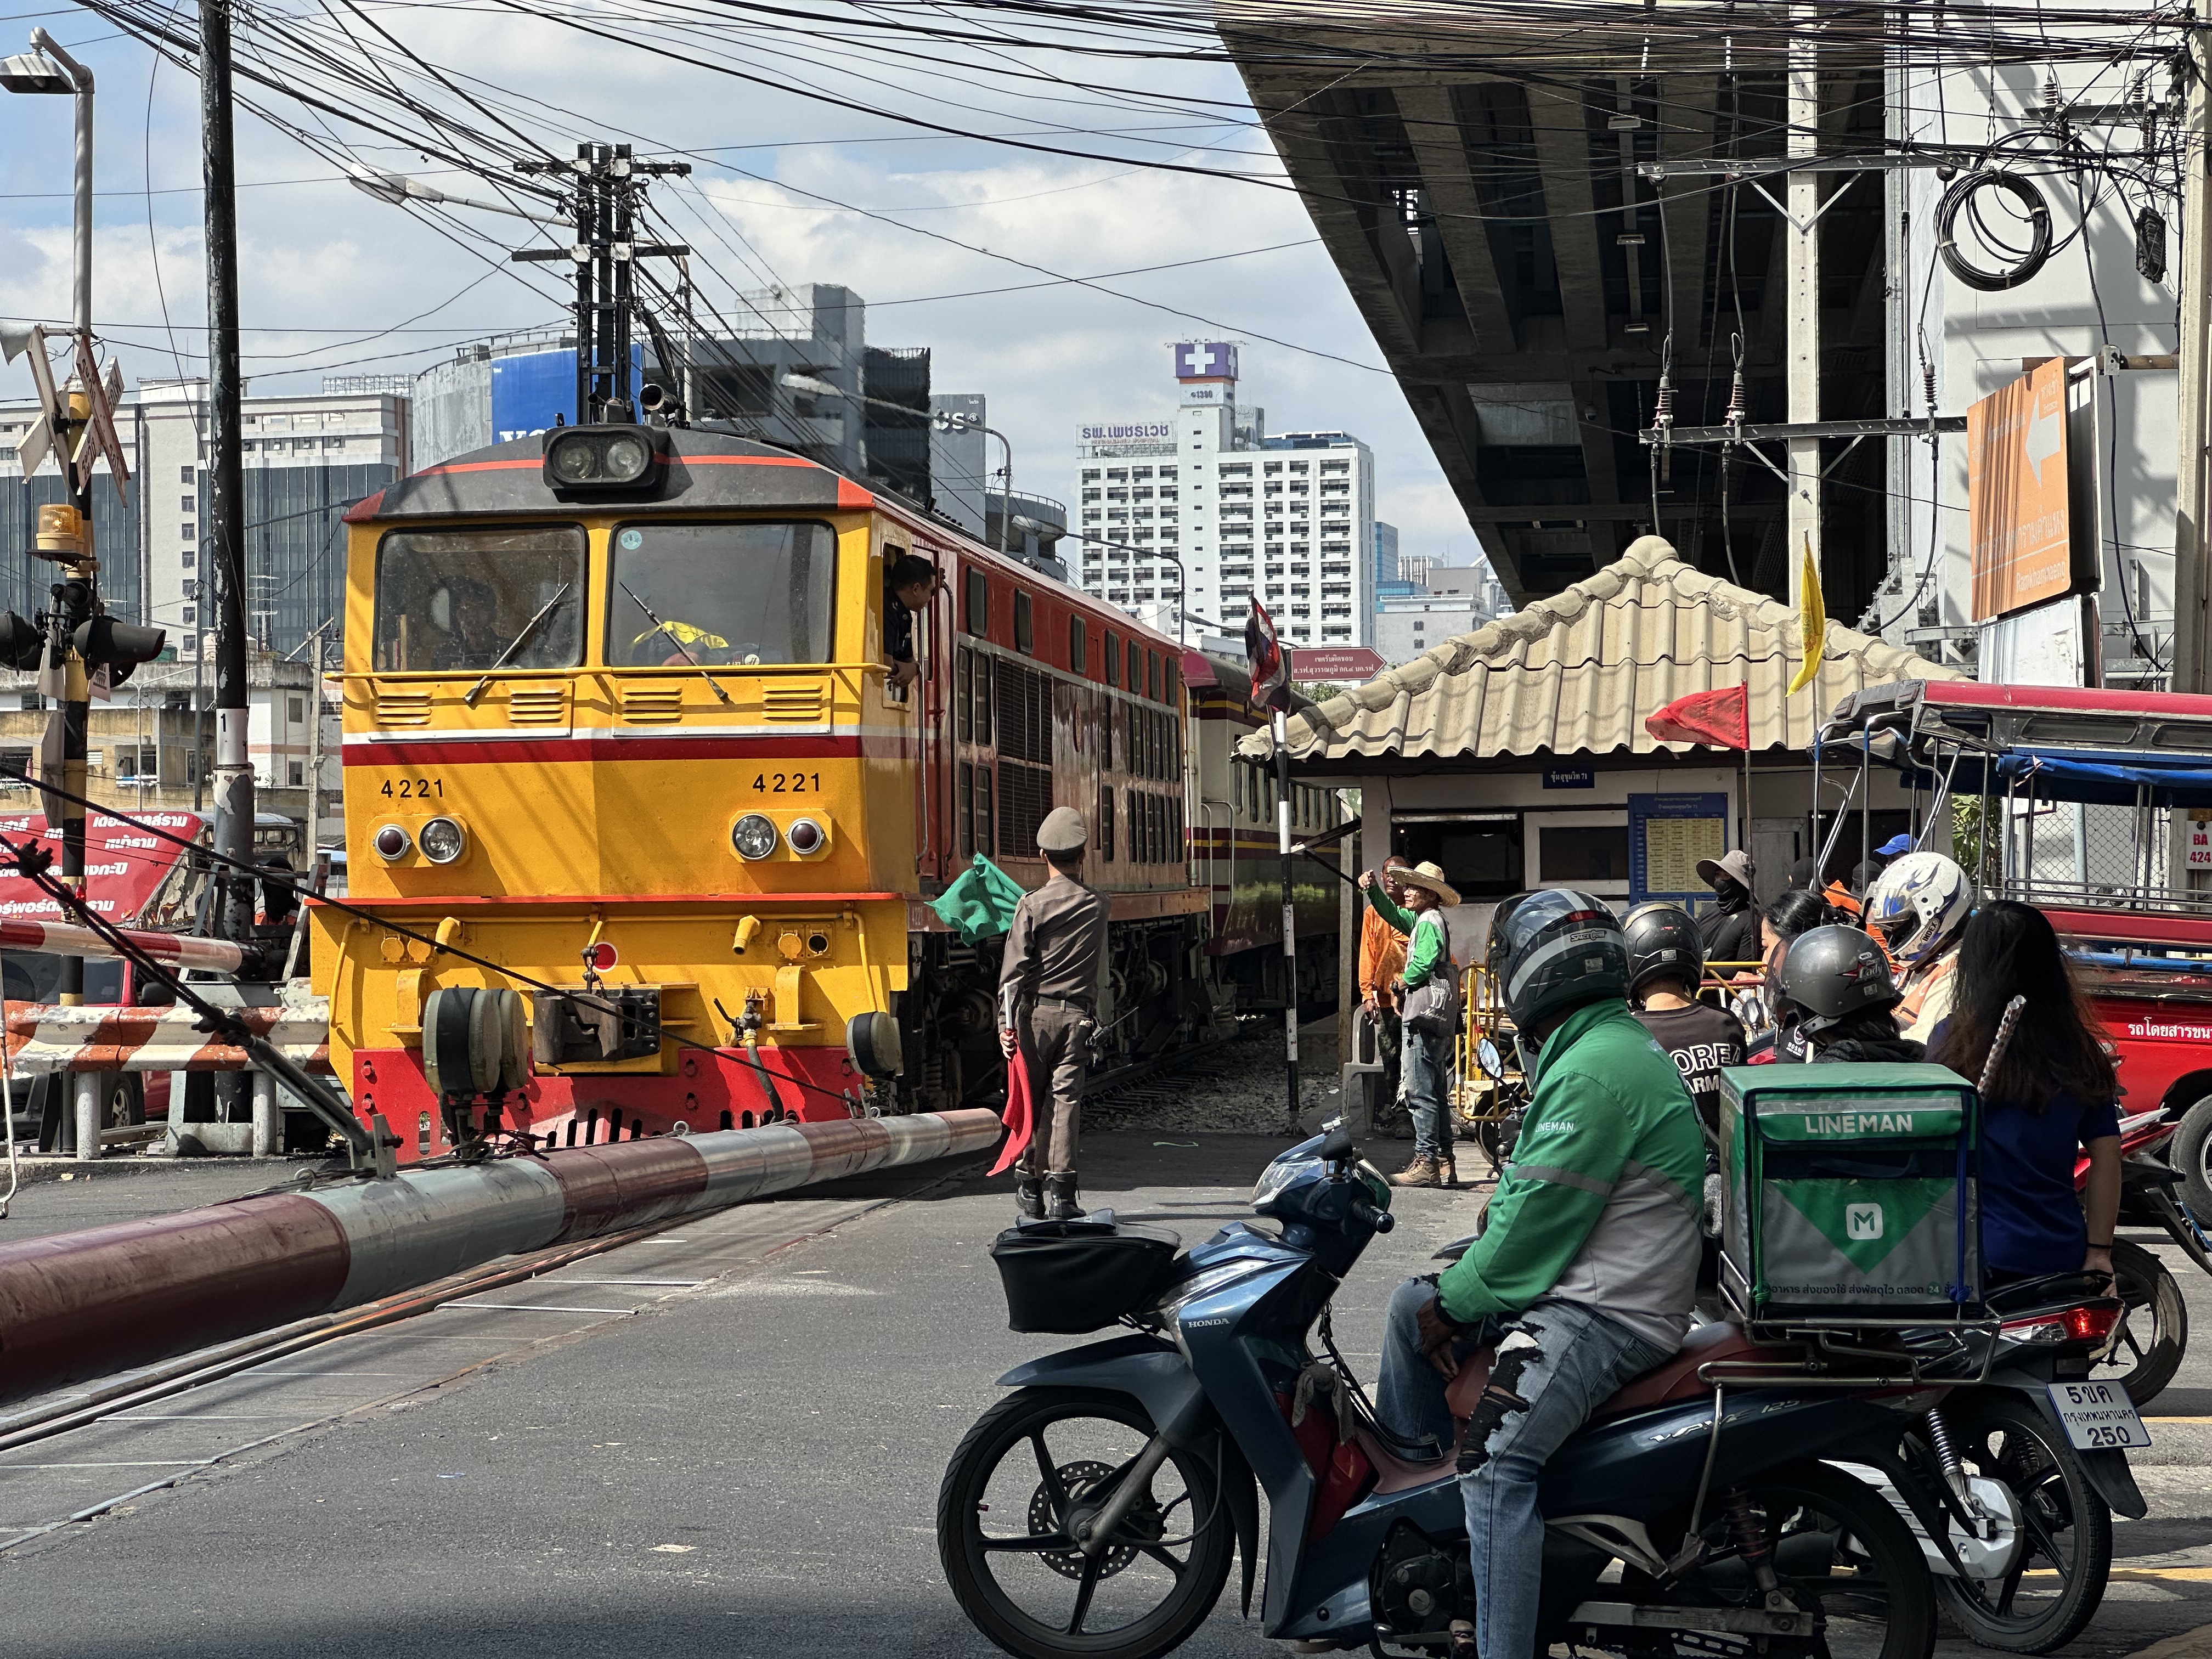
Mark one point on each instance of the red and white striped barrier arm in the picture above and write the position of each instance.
(110, 1039)
(179, 950)
(84, 1305)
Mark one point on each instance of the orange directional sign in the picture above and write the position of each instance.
(2019, 516)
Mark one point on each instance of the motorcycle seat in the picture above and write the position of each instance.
(1677, 1378)
(1674, 1378)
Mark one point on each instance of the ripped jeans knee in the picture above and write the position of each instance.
(1501, 1402)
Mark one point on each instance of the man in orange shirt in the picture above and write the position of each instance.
(1382, 963)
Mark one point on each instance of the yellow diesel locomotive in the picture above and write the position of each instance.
(618, 716)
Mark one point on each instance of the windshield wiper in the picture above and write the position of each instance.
(683, 650)
(519, 641)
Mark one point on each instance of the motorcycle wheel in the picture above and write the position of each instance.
(1835, 1543)
(2154, 1328)
(1006, 1494)
(2191, 1154)
(2069, 1531)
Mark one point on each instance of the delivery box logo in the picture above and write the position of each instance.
(1863, 1221)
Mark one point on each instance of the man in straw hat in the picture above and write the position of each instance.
(1051, 983)
(1428, 995)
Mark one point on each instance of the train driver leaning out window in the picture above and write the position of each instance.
(909, 585)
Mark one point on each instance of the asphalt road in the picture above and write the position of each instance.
(746, 1465)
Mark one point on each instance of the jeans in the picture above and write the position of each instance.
(1422, 1069)
(1556, 1363)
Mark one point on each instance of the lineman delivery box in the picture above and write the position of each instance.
(1848, 1193)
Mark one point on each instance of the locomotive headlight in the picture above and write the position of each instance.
(754, 837)
(443, 840)
(392, 843)
(601, 457)
(806, 837)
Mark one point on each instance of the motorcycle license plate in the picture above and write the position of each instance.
(2098, 1416)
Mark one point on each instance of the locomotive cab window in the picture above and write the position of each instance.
(468, 600)
(719, 593)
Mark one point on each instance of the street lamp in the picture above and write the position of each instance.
(1182, 576)
(945, 421)
(397, 188)
(47, 69)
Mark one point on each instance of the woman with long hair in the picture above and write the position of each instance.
(2053, 1089)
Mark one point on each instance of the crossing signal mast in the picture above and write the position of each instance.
(607, 181)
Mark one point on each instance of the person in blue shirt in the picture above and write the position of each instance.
(2054, 1090)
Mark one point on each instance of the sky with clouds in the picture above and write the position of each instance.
(788, 188)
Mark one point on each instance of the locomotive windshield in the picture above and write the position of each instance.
(475, 599)
(714, 593)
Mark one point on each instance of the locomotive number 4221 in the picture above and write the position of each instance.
(788, 783)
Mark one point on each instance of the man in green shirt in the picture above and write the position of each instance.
(1423, 1063)
(1585, 1271)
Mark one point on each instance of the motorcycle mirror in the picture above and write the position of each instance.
(1493, 1063)
(1338, 1145)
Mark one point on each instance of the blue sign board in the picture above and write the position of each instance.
(1667, 837)
(1569, 777)
(531, 391)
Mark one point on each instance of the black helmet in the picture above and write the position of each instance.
(1554, 950)
(1662, 943)
(1834, 972)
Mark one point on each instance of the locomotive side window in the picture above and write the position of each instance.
(474, 600)
(1025, 624)
(977, 618)
(715, 593)
(1113, 658)
(1075, 644)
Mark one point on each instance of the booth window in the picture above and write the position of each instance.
(1582, 852)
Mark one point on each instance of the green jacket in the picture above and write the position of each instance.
(1425, 948)
(1600, 1205)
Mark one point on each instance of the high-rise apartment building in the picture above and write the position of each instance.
(1207, 511)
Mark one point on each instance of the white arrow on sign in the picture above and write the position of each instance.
(2046, 437)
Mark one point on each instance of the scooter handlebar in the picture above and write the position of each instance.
(1381, 1220)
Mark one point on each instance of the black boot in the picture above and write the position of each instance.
(1029, 1198)
(1060, 1203)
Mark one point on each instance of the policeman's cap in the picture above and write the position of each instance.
(1063, 831)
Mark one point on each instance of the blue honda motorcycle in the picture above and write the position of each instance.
(1097, 1510)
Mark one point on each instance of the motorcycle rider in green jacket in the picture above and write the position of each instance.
(1585, 1271)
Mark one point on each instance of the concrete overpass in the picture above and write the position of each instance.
(1478, 186)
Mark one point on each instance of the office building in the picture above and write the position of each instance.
(305, 460)
(1206, 511)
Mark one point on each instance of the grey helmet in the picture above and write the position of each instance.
(1832, 973)
(1663, 942)
(1553, 950)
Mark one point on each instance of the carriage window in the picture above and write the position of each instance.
(714, 593)
(474, 600)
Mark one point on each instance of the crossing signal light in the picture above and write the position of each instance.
(118, 646)
(21, 643)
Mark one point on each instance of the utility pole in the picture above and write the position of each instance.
(2192, 525)
(1802, 273)
(222, 512)
(604, 254)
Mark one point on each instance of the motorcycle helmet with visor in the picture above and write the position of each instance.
(1919, 904)
(1553, 950)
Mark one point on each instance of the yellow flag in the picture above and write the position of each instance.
(1812, 624)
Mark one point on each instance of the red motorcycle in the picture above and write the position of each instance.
(2153, 1333)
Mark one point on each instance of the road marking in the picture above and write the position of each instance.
(527, 1307)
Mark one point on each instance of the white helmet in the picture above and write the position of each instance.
(1925, 893)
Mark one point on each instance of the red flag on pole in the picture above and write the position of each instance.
(1720, 718)
(1263, 656)
(1020, 1119)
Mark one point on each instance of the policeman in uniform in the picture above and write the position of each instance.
(1049, 991)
